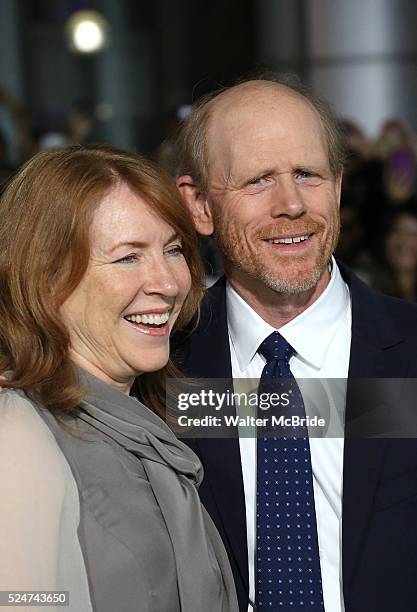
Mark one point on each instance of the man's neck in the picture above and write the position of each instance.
(276, 308)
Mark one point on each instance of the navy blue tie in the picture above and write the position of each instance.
(288, 575)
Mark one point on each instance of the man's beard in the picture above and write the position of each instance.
(291, 286)
(293, 274)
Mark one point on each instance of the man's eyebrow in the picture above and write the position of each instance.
(140, 244)
(248, 175)
(311, 167)
(251, 174)
(261, 172)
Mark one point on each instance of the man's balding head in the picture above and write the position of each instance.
(195, 146)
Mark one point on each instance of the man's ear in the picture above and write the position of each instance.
(197, 204)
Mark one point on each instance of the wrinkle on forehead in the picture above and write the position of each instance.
(247, 124)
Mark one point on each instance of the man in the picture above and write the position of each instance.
(261, 172)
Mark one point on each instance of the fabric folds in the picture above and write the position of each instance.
(204, 578)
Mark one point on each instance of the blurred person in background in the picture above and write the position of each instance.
(400, 176)
(352, 248)
(396, 148)
(394, 135)
(78, 127)
(362, 197)
(98, 264)
(81, 122)
(396, 272)
(15, 153)
(6, 168)
(22, 135)
(165, 154)
(377, 178)
(358, 145)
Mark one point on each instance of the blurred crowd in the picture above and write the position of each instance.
(26, 140)
(379, 195)
(379, 208)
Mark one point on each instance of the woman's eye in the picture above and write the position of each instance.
(127, 259)
(174, 250)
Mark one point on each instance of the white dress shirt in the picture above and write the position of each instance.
(321, 337)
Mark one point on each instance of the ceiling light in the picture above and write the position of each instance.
(87, 32)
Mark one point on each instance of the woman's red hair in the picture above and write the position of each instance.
(46, 213)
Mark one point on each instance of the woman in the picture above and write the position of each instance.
(98, 496)
(396, 274)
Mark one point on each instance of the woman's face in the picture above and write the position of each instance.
(401, 244)
(121, 314)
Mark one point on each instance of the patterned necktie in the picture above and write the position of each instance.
(288, 575)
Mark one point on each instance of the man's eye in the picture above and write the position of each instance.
(307, 176)
(258, 180)
(304, 173)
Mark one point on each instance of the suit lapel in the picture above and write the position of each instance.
(209, 357)
(373, 333)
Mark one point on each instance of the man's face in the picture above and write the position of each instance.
(273, 199)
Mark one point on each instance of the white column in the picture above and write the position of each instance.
(363, 57)
(359, 54)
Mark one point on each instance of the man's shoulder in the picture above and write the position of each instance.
(381, 320)
(203, 349)
(365, 294)
(216, 294)
(398, 307)
(213, 308)
(403, 313)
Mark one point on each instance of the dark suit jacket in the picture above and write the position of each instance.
(379, 537)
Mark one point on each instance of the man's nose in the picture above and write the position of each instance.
(286, 198)
(160, 279)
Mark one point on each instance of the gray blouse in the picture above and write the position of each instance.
(146, 542)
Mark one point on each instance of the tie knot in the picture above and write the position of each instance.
(275, 347)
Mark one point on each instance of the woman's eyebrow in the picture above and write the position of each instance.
(140, 243)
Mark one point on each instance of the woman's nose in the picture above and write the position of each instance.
(161, 279)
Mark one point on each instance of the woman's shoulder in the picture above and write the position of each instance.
(18, 415)
(27, 445)
(40, 508)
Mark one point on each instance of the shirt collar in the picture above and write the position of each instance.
(310, 333)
